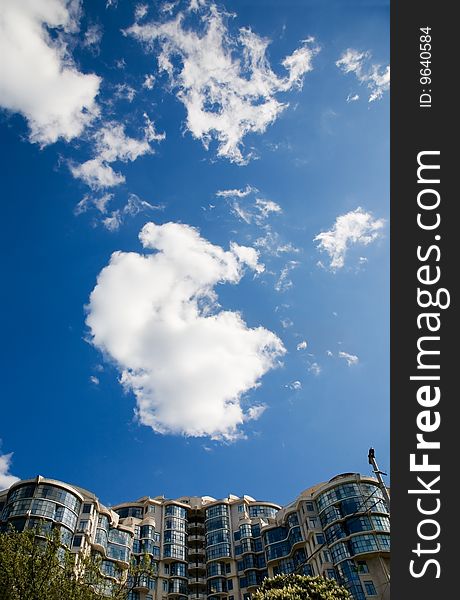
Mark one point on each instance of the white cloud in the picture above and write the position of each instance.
(92, 38)
(355, 227)
(226, 94)
(113, 221)
(314, 368)
(38, 77)
(294, 385)
(140, 11)
(123, 91)
(376, 77)
(168, 7)
(302, 345)
(95, 380)
(89, 201)
(6, 479)
(352, 97)
(112, 144)
(258, 211)
(188, 362)
(266, 207)
(351, 359)
(237, 193)
(149, 81)
(151, 134)
(248, 256)
(97, 174)
(133, 207)
(271, 243)
(286, 323)
(329, 353)
(284, 282)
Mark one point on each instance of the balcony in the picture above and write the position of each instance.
(196, 537)
(196, 551)
(196, 566)
(197, 581)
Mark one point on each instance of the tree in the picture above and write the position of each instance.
(35, 565)
(300, 587)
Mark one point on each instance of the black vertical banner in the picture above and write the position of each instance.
(425, 236)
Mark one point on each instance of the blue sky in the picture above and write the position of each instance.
(235, 158)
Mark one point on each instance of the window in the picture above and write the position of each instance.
(165, 585)
(370, 588)
(175, 511)
(229, 584)
(362, 566)
(130, 511)
(319, 538)
(83, 526)
(261, 510)
(327, 556)
(77, 541)
(309, 506)
(241, 508)
(228, 567)
(363, 543)
(216, 511)
(87, 508)
(312, 521)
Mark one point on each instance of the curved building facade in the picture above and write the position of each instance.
(207, 549)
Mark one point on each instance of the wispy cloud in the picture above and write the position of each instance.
(237, 193)
(111, 144)
(355, 227)
(123, 91)
(100, 203)
(284, 282)
(294, 385)
(272, 244)
(247, 205)
(133, 207)
(374, 76)
(225, 82)
(352, 97)
(40, 79)
(187, 361)
(314, 368)
(149, 81)
(140, 11)
(92, 38)
(302, 345)
(351, 359)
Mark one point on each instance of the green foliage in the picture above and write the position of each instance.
(34, 565)
(39, 568)
(300, 587)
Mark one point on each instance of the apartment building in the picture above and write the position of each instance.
(207, 549)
